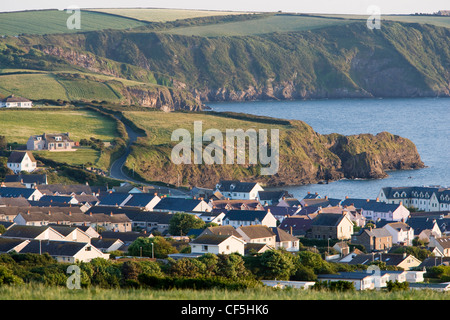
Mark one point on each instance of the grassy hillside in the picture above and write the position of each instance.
(55, 21)
(304, 155)
(19, 125)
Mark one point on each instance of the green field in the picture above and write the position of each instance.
(163, 15)
(36, 85)
(270, 24)
(55, 21)
(40, 292)
(19, 125)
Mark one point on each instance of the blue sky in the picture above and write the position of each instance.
(315, 6)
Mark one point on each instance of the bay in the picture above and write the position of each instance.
(425, 121)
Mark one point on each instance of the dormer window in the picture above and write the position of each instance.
(58, 138)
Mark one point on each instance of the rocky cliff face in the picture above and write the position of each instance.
(305, 157)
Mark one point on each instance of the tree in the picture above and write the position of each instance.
(181, 223)
(3, 143)
(231, 266)
(143, 247)
(277, 264)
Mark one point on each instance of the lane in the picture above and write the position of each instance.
(116, 171)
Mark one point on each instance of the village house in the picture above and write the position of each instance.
(257, 234)
(424, 228)
(8, 245)
(272, 198)
(237, 218)
(404, 261)
(15, 102)
(221, 230)
(235, 189)
(373, 239)
(361, 280)
(331, 226)
(215, 216)
(19, 161)
(236, 204)
(289, 202)
(144, 201)
(217, 244)
(280, 213)
(297, 225)
(442, 244)
(401, 233)
(71, 233)
(107, 245)
(51, 142)
(284, 240)
(32, 233)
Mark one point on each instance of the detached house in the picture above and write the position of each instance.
(237, 218)
(331, 226)
(257, 234)
(21, 161)
(15, 102)
(401, 233)
(373, 239)
(51, 142)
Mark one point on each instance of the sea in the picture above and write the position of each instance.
(425, 121)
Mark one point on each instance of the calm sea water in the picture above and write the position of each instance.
(425, 121)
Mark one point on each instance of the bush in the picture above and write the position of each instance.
(397, 286)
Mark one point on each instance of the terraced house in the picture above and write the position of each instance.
(421, 198)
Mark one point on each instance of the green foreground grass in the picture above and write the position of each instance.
(41, 292)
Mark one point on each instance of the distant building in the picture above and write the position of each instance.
(21, 161)
(15, 102)
(28, 180)
(234, 189)
(332, 226)
(51, 142)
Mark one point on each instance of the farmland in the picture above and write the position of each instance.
(163, 15)
(55, 21)
(19, 125)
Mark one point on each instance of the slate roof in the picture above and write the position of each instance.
(177, 204)
(140, 200)
(17, 156)
(54, 248)
(7, 244)
(281, 235)
(391, 259)
(227, 186)
(328, 219)
(409, 192)
(104, 243)
(345, 275)
(123, 236)
(273, 196)
(26, 232)
(245, 215)
(282, 211)
(370, 205)
(62, 189)
(299, 224)
(257, 231)
(10, 192)
(210, 239)
(13, 98)
(223, 230)
(27, 178)
(113, 199)
(56, 199)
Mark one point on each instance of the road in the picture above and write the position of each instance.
(116, 171)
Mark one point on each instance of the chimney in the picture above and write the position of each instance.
(378, 199)
(291, 230)
(368, 200)
(346, 197)
(49, 213)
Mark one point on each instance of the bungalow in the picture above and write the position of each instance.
(217, 244)
(51, 142)
(28, 194)
(440, 287)
(257, 234)
(331, 226)
(144, 201)
(361, 280)
(237, 218)
(403, 261)
(65, 251)
(15, 102)
(19, 161)
(235, 189)
(288, 284)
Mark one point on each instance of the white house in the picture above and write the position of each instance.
(401, 233)
(237, 218)
(257, 234)
(361, 280)
(15, 102)
(234, 189)
(374, 210)
(217, 244)
(21, 161)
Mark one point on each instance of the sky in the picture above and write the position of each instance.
(299, 6)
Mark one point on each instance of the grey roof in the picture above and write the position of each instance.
(27, 178)
(236, 186)
(409, 192)
(13, 98)
(328, 219)
(370, 205)
(54, 248)
(212, 239)
(345, 275)
(113, 199)
(7, 244)
(56, 199)
(273, 196)
(281, 235)
(391, 259)
(246, 215)
(26, 232)
(177, 204)
(11, 192)
(17, 156)
(140, 200)
(124, 236)
(103, 243)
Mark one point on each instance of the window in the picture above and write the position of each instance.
(204, 248)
